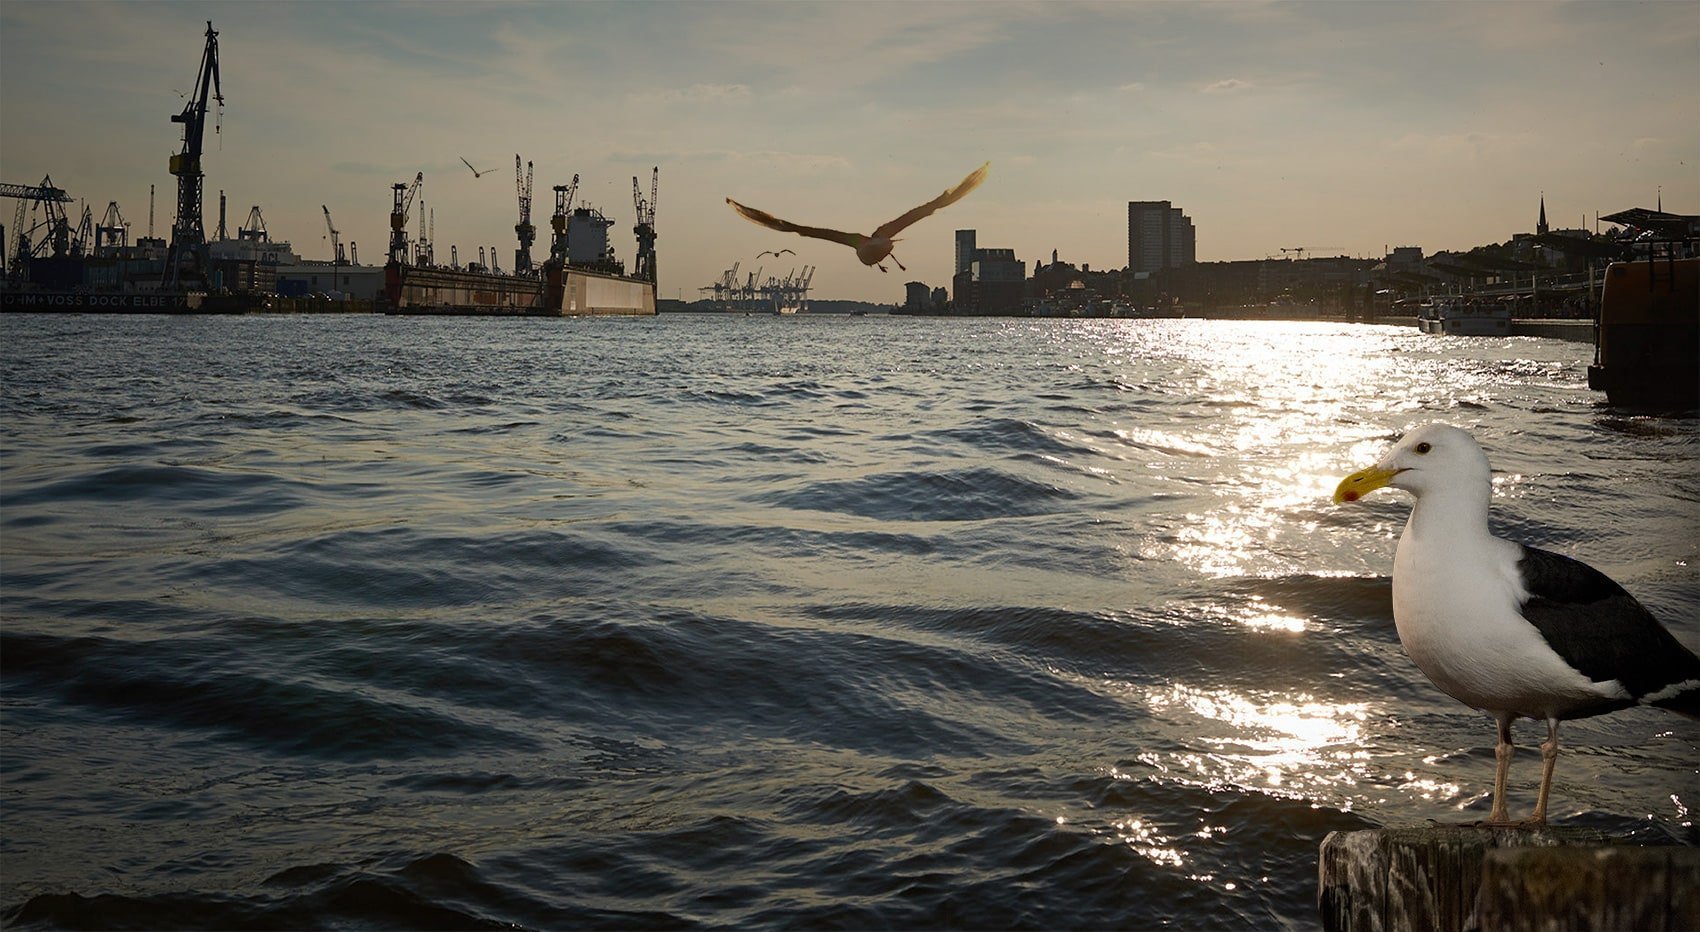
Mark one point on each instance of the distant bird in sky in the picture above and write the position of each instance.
(872, 250)
(774, 254)
(1504, 627)
(475, 172)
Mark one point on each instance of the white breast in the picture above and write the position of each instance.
(1456, 607)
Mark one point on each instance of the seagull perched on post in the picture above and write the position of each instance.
(874, 249)
(1506, 628)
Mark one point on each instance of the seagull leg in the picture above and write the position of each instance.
(1502, 755)
(899, 264)
(1549, 757)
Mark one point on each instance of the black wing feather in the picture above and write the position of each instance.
(1598, 627)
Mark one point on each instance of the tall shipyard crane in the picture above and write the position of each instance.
(82, 241)
(335, 235)
(186, 260)
(404, 194)
(524, 229)
(644, 268)
(564, 194)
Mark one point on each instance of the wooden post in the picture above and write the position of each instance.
(1620, 887)
(1455, 879)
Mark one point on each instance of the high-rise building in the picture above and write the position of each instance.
(964, 250)
(1159, 236)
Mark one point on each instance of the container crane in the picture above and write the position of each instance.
(644, 267)
(564, 194)
(335, 237)
(524, 229)
(186, 261)
(404, 194)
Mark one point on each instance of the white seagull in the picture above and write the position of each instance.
(874, 249)
(1503, 627)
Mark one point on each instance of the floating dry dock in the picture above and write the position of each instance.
(558, 291)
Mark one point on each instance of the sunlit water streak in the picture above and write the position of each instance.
(765, 621)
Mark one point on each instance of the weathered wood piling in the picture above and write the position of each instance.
(1455, 879)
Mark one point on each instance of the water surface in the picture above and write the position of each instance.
(409, 622)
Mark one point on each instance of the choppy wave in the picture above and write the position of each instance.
(694, 622)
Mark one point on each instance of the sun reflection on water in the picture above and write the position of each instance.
(1298, 744)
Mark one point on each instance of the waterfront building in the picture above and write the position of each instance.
(916, 296)
(987, 281)
(1159, 236)
(339, 280)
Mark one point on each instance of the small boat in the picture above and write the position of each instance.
(1468, 317)
(1647, 343)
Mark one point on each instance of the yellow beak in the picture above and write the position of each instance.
(1363, 482)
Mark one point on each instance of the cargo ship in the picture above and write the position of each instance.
(581, 277)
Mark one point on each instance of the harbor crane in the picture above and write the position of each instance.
(53, 229)
(254, 228)
(524, 229)
(186, 260)
(564, 194)
(404, 194)
(644, 267)
(335, 236)
(83, 240)
(112, 234)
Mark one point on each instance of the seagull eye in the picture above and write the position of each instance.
(1424, 447)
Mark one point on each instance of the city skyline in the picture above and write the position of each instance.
(1340, 128)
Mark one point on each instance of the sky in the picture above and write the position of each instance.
(1341, 127)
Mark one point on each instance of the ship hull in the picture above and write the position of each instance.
(1648, 342)
(126, 302)
(557, 292)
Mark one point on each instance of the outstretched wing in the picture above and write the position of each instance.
(785, 226)
(949, 197)
(463, 161)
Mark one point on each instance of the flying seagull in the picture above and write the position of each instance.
(774, 254)
(1503, 627)
(872, 250)
(475, 172)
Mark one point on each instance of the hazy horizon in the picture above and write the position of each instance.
(1343, 128)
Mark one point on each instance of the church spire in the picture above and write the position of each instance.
(1541, 227)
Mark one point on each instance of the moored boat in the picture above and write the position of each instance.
(1647, 343)
(1459, 316)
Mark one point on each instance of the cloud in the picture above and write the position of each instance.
(696, 94)
(1227, 86)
